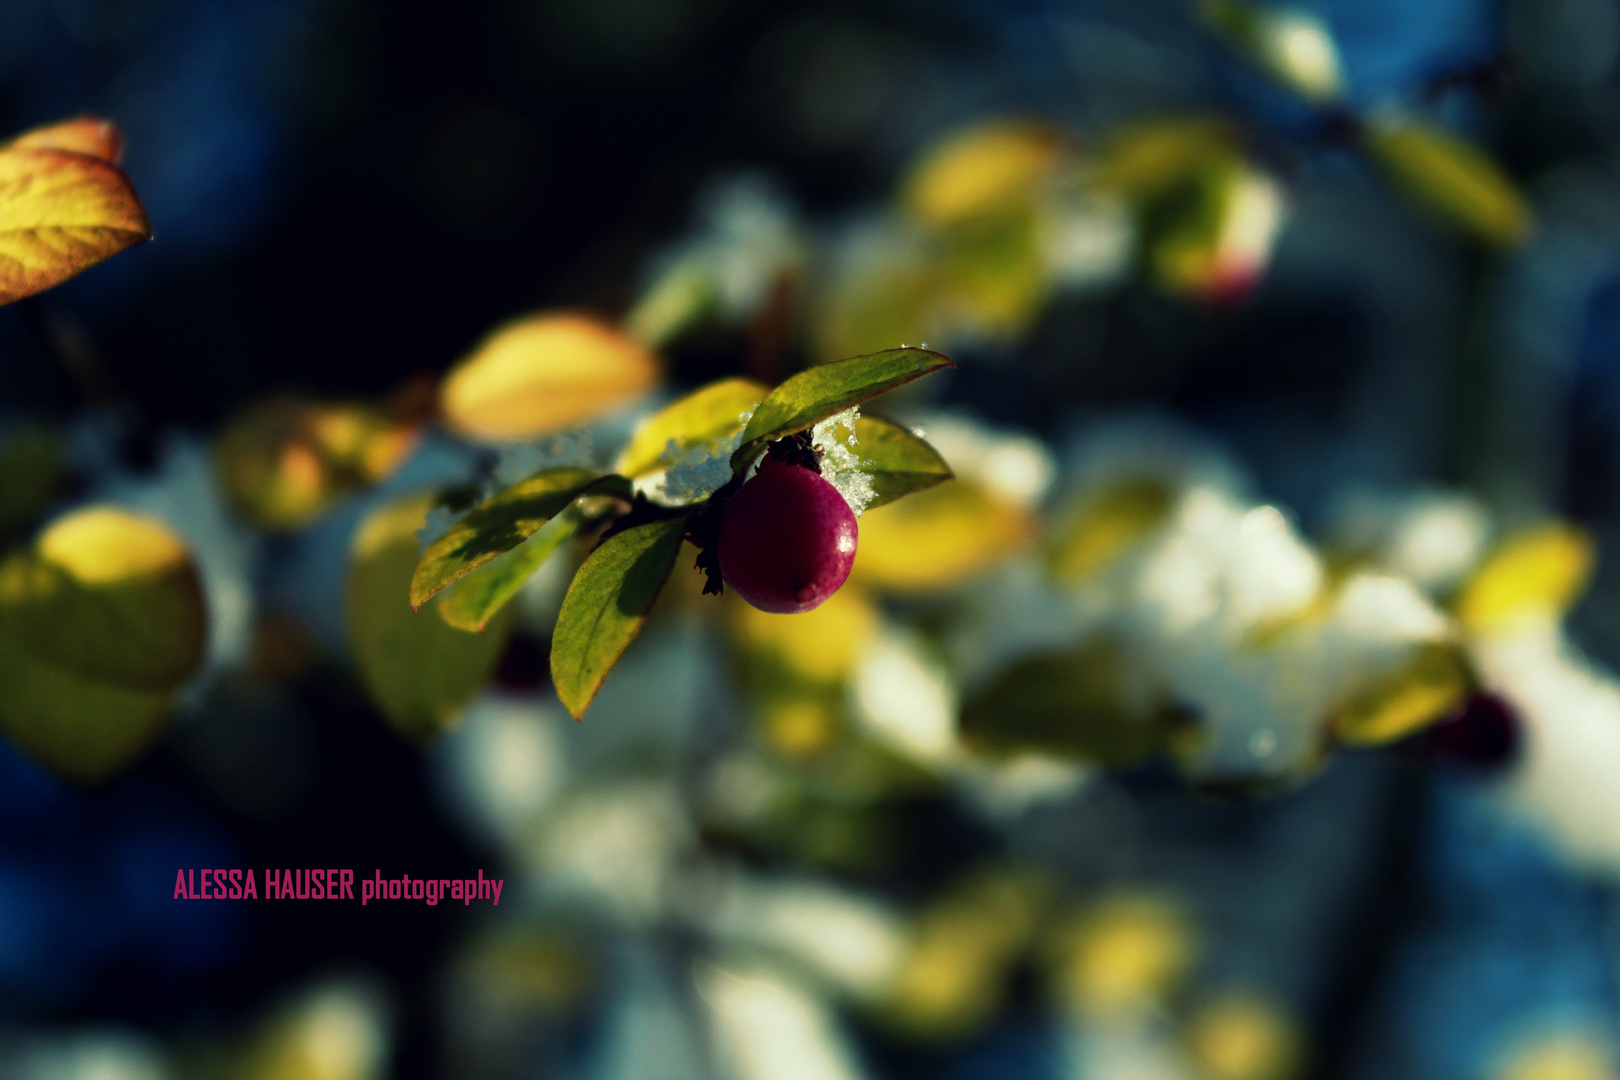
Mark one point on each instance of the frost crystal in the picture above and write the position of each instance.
(519, 461)
(697, 472)
(840, 465)
(515, 461)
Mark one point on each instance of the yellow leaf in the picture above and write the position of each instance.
(983, 169)
(88, 135)
(1240, 1035)
(701, 418)
(417, 669)
(937, 538)
(1534, 574)
(544, 373)
(820, 645)
(1431, 685)
(1450, 178)
(338, 1031)
(953, 975)
(101, 545)
(114, 596)
(1557, 1053)
(801, 724)
(1124, 955)
(100, 623)
(61, 213)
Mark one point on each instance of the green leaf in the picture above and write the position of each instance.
(419, 672)
(703, 418)
(1450, 178)
(101, 622)
(898, 461)
(474, 600)
(147, 634)
(504, 521)
(1069, 704)
(607, 606)
(811, 396)
(682, 296)
(80, 728)
(109, 595)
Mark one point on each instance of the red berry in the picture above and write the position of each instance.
(787, 539)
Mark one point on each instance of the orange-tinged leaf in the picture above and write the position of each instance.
(82, 135)
(286, 460)
(543, 373)
(61, 213)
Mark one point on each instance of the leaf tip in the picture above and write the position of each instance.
(420, 594)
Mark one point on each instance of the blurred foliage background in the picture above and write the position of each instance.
(1242, 711)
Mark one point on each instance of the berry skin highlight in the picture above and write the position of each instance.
(787, 539)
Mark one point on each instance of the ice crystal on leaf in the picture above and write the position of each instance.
(840, 464)
(521, 460)
(698, 471)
